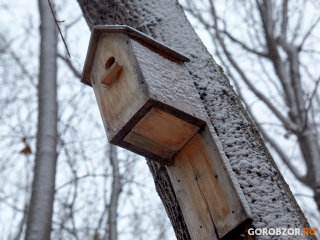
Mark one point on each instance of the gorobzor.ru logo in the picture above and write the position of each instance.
(281, 231)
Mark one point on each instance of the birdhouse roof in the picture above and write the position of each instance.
(132, 33)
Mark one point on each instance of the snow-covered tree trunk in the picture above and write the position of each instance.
(41, 204)
(268, 195)
(296, 117)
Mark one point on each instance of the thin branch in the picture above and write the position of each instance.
(303, 195)
(297, 27)
(284, 19)
(287, 122)
(275, 146)
(313, 94)
(283, 156)
(18, 61)
(312, 51)
(197, 15)
(22, 222)
(56, 21)
(70, 65)
(265, 55)
(79, 178)
(308, 33)
(273, 82)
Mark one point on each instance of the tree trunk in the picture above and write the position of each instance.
(116, 190)
(41, 204)
(268, 195)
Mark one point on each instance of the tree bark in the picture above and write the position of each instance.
(116, 190)
(41, 204)
(268, 195)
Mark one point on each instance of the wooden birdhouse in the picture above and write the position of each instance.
(150, 106)
(143, 89)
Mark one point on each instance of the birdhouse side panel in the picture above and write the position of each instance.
(123, 96)
(225, 199)
(168, 80)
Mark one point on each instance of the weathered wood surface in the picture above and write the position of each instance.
(193, 206)
(123, 98)
(111, 74)
(199, 164)
(161, 133)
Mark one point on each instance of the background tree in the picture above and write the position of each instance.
(42, 197)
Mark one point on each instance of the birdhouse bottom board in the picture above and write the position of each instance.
(161, 133)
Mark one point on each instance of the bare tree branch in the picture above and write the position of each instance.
(308, 33)
(313, 94)
(70, 65)
(57, 23)
(287, 122)
(18, 61)
(261, 54)
(277, 148)
(284, 19)
(22, 222)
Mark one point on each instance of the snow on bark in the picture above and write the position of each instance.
(265, 190)
(41, 205)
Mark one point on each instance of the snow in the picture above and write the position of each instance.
(169, 81)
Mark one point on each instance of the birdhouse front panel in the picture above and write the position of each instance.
(122, 96)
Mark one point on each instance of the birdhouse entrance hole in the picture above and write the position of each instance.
(109, 62)
(112, 68)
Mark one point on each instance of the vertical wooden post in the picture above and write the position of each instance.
(203, 182)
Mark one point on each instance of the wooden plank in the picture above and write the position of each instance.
(223, 180)
(214, 183)
(165, 129)
(111, 73)
(124, 97)
(161, 133)
(149, 145)
(189, 196)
